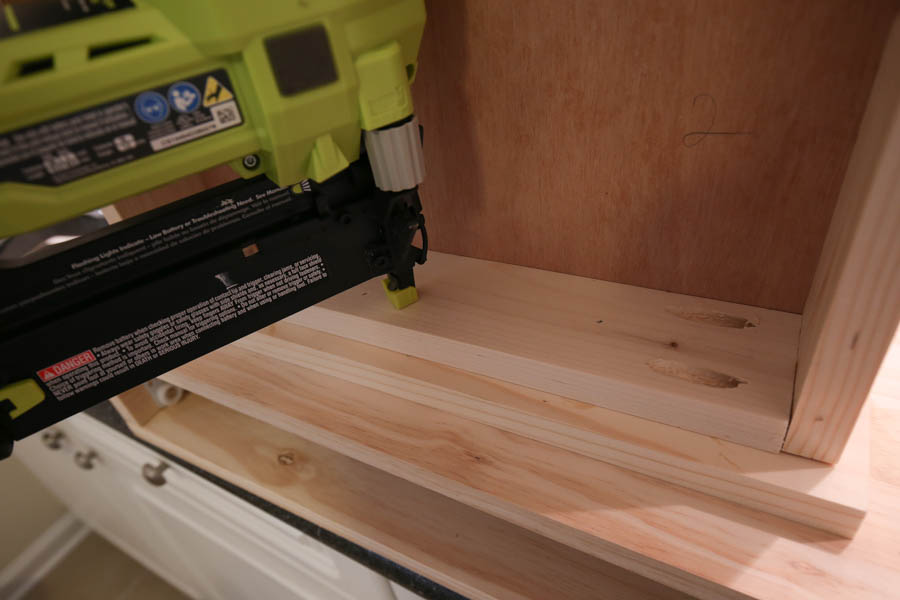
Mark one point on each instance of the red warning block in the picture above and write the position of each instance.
(64, 366)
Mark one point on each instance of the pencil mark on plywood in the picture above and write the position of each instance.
(692, 138)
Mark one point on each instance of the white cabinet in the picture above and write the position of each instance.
(198, 537)
(100, 496)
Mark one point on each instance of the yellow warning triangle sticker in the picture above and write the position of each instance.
(215, 92)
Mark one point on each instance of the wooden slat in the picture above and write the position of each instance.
(701, 545)
(885, 401)
(568, 135)
(467, 550)
(712, 367)
(854, 306)
(181, 188)
(830, 498)
(137, 407)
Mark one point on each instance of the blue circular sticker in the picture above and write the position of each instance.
(151, 107)
(184, 96)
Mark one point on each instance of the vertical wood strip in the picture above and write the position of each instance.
(854, 305)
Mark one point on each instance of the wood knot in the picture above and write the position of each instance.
(286, 458)
(476, 457)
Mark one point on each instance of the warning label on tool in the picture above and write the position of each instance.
(225, 213)
(165, 335)
(215, 92)
(83, 143)
(64, 366)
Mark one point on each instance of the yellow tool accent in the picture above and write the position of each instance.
(326, 159)
(11, 20)
(24, 394)
(400, 298)
(384, 95)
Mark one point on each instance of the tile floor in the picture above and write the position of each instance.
(97, 570)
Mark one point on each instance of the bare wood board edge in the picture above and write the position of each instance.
(415, 527)
(692, 344)
(690, 541)
(831, 498)
(853, 307)
(712, 367)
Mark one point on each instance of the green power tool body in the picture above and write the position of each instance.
(308, 101)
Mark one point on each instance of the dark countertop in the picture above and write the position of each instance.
(106, 413)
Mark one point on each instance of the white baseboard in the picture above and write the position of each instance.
(41, 556)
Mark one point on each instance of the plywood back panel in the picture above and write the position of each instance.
(695, 147)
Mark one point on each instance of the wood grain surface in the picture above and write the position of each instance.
(181, 188)
(854, 305)
(473, 553)
(832, 498)
(713, 367)
(695, 147)
(695, 543)
(717, 368)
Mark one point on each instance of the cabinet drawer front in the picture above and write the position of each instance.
(191, 513)
(101, 498)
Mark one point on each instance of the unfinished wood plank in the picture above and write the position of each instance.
(467, 550)
(687, 540)
(803, 490)
(571, 136)
(181, 188)
(884, 402)
(712, 367)
(854, 305)
(138, 407)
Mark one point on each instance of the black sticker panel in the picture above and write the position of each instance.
(108, 135)
(315, 69)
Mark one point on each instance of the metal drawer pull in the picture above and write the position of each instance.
(154, 474)
(85, 460)
(53, 439)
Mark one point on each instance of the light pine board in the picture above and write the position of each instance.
(712, 367)
(695, 543)
(885, 406)
(830, 498)
(854, 305)
(567, 135)
(181, 188)
(478, 555)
